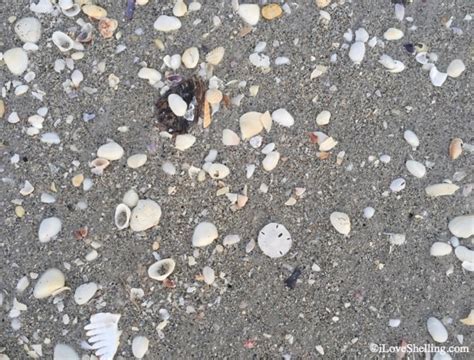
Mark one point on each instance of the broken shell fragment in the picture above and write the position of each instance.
(49, 283)
(161, 269)
(357, 52)
(208, 275)
(393, 34)
(130, 198)
(469, 320)
(462, 226)
(250, 13)
(107, 27)
(416, 168)
(152, 75)
(103, 334)
(140, 346)
(250, 124)
(341, 222)
(327, 144)
(99, 165)
(214, 96)
(190, 57)
(28, 29)
(204, 234)
(455, 148)
(271, 11)
(122, 216)
(456, 68)
(283, 118)
(217, 171)
(437, 330)
(62, 41)
(323, 118)
(63, 351)
(398, 185)
(16, 60)
(322, 3)
(437, 78)
(145, 215)
(166, 23)
(274, 240)
(411, 138)
(49, 229)
(85, 292)
(266, 120)
(271, 161)
(184, 141)
(110, 151)
(230, 138)
(443, 189)
(93, 11)
(215, 56)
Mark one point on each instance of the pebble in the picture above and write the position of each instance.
(416, 168)
(49, 229)
(250, 13)
(323, 118)
(274, 240)
(456, 68)
(250, 124)
(440, 249)
(209, 275)
(283, 118)
(140, 346)
(146, 214)
(166, 23)
(130, 198)
(443, 189)
(190, 57)
(85, 292)
(271, 11)
(215, 56)
(437, 330)
(398, 185)
(28, 29)
(357, 52)
(341, 222)
(184, 141)
(393, 34)
(16, 60)
(230, 138)
(411, 138)
(177, 104)
(204, 234)
(110, 151)
(462, 226)
(161, 269)
(369, 212)
(271, 161)
(136, 161)
(63, 351)
(49, 282)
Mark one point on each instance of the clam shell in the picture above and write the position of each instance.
(217, 171)
(464, 254)
(250, 124)
(62, 41)
(441, 189)
(437, 78)
(393, 34)
(456, 68)
(462, 226)
(122, 216)
(161, 269)
(271, 161)
(184, 141)
(180, 8)
(152, 75)
(49, 283)
(204, 234)
(230, 138)
(49, 229)
(110, 151)
(28, 29)
(16, 60)
(440, 249)
(145, 215)
(341, 222)
(323, 118)
(411, 138)
(177, 105)
(63, 351)
(455, 148)
(166, 23)
(136, 161)
(398, 185)
(140, 346)
(437, 330)
(190, 57)
(215, 56)
(283, 118)
(130, 198)
(85, 292)
(274, 240)
(357, 52)
(250, 13)
(416, 168)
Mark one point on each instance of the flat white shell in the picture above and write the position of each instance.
(16, 60)
(28, 29)
(48, 283)
(204, 234)
(440, 249)
(283, 118)
(456, 68)
(49, 229)
(110, 151)
(462, 226)
(130, 198)
(122, 216)
(184, 141)
(190, 57)
(103, 334)
(145, 215)
(416, 168)
(411, 138)
(464, 254)
(369, 212)
(85, 292)
(357, 52)
(177, 105)
(341, 222)
(250, 13)
(323, 118)
(209, 275)
(271, 160)
(442, 189)
(63, 352)
(136, 161)
(167, 23)
(437, 330)
(230, 138)
(250, 124)
(393, 34)
(437, 78)
(140, 346)
(398, 185)
(216, 170)
(274, 240)
(161, 269)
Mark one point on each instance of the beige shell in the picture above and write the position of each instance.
(250, 124)
(161, 269)
(215, 56)
(214, 96)
(99, 165)
(94, 11)
(122, 216)
(455, 148)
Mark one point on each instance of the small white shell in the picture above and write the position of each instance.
(140, 346)
(103, 334)
(327, 144)
(184, 141)
(49, 283)
(464, 254)
(274, 240)
(357, 52)
(216, 171)
(230, 138)
(130, 198)
(341, 222)
(190, 57)
(437, 78)
(369, 212)
(72, 11)
(442, 189)
(462, 226)
(393, 34)
(145, 215)
(230, 240)
(250, 124)
(398, 185)
(49, 229)
(283, 118)
(215, 56)
(63, 351)
(411, 138)
(396, 239)
(209, 275)
(177, 104)
(110, 151)
(166, 23)
(136, 161)
(456, 68)
(416, 168)
(440, 249)
(152, 75)
(250, 13)
(204, 234)
(62, 41)
(16, 60)
(271, 161)
(437, 330)
(85, 292)
(122, 216)
(180, 8)
(161, 269)
(323, 118)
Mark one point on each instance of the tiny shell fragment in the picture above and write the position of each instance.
(341, 222)
(455, 148)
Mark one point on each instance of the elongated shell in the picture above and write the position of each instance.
(455, 148)
(442, 189)
(161, 269)
(62, 41)
(122, 216)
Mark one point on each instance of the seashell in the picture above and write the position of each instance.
(411, 138)
(398, 185)
(442, 189)
(464, 254)
(208, 275)
(396, 239)
(63, 351)
(110, 151)
(462, 226)
(122, 216)
(217, 171)
(42, 7)
(250, 124)
(322, 3)
(161, 269)
(271, 11)
(107, 27)
(230, 138)
(323, 118)
(85, 292)
(437, 330)
(267, 149)
(361, 35)
(28, 29)
(76, 78)
(103, 334)
(318, 71)
(468, 266)
(173, 62)
(250, 13)
(166, 23)
(99, 165)
(437, 78)
(27, 188)
(65, 4)
(455, 68)
(177, 104)
(393, 66)
(16, 60)
(357, 52)
(455, 148)
(152, 75)
(168, 168)
(283, 118)
(72, 11)
(190, 57)
(259, 60)
(77, 180)
(136, 161)
(440, 249)
(49, 229)
(327, 144)
(215, 56)
(271, 160)
(184, 141)
(49, 283)
(369, 212)
(416, 168)
(62, 41)
(214, 96)
(341, 222)
(180, 8)
(140, 346)
(231, 240)
(399, 12)
(204, 234)
(393, 34)
(274, 240)
(469, 320)
(146, 214)
(93, 11)
(130, 198)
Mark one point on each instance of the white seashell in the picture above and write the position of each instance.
(283, 118)
(65, 4)
(161, 269)
(393, 66)
(250, 124)
(456, 68)
(76, 78)
(194, 6)
(168, 168)
(209, 275)
(180, 8)
(140, 346)
(230, 138)
(28, 29)
(13, 118)
(327, 144)
(152, 75)
(437, 78)
(204, 234)
(393, 34)
(42, 7)
(464, 254)
(259, 60)
(167, 23)
(357, 52)
(177, 104)
(267, 149)
(72, 11)
(361, 35)
(16, 60)
(85, 292)
(323, 118)
(136, 161)
(184, 141)
(442, 355)
(394, 323)
(411, 138)
(341, 222)
(110, 151)
(49, 283)
(217, 171)
(212, 156)
(271, 161)
(274, 240)
(422, 58)
(416, 168)
(145, 215)
(63, 351)
(190, 57)
(62, 41)
(437, 330)
(369, 212)
(231, 240)
(399, 12)
(27, 188)
(462, 226)
(47, 198)
(130, 198)
(174, 62)
(396, 239)
(49, 229)
(250, 169)
(99, 165)
(282, 60)
(122, 216)
(250, 13)
(215, 56)
(442, 189)
(398, 184)
(318, 71)
(104, 335)
(440, 249)
(468, 266)
(50, 138)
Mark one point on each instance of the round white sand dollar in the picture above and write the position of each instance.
(274, 240)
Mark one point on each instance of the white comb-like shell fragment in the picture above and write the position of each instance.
(104, 335)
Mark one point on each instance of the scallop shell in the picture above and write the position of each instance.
(161, 269)
(122, 216)
(274, 240)
(204, 234)
(104, 335)
(50, 283)
(62, 41)
(341, 222)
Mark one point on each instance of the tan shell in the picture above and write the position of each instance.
(455, 148)
(107, 27)
(271, 11)
(214, 96)
(94, 11)
(215, 56)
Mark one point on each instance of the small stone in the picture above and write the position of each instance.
(190, 57)
(16, 60)
(28, 29)
(49, 229)
(140, 346)
(250, 13)
(177, 104)
(440, 249)
(184, 141)
(437, 330)
(456, 68)
(341, 222)
(110, 151)
(270, 161)
(145, 215)
(215, 56)
(136, 161)
(95, 12)
(283, 117)
(166, 23)
(85, 292)
(271, 11)
(204, 234)
(393, 34)
(323, 118)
